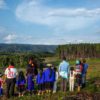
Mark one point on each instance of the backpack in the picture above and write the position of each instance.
(79, 69)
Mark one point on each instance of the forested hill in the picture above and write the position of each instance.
(27, 48)
(73, 51)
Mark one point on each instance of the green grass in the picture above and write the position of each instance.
(43, 97)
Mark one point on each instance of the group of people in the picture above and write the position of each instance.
(74, 75)
(45, 79)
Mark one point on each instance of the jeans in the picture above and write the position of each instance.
(83, 80)
(10, 83)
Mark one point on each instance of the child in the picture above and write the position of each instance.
(55, 83)
(46, 74)
(79, 69)
(49, 78)
(84, 73)
(21, 83)
(1, 85)
(30, 82)
(40, 81)
(71, 79)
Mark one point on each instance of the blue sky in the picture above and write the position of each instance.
(49, 21)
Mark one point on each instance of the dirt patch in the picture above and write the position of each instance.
(83, 96)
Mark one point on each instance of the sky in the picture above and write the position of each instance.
(49, 22)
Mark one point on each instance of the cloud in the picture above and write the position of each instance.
(10, 38)
(61, 19)
(62, 22)
(7, 36)
(2, 4)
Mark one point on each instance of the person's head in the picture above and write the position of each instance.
(71, 68)
(50, 69)
(31, 60)
(55, 69)
(84, 60)
(11, 63)
(21, 75)
(78, 62)
(49, 65)
(63, 58)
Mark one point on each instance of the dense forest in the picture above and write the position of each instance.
(72, 51)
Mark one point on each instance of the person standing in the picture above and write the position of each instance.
(49, 78)
(79, 68)
(40, 81)
(64, 72)
(21, 83)
(32, 65)
(84, 72)
(30, 81)
(56, 79)
(72, 79)
(10, 74)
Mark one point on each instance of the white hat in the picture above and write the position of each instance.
(49, 65)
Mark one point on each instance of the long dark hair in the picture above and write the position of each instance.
(72, 69)
(55, 69)
(30, 71)
(21, 76)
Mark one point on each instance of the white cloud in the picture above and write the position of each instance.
(10, 38)
(62, 19)
(7, 36)
(2, 4)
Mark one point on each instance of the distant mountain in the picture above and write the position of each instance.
(27, 48)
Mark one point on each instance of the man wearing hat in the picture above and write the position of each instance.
(49, 78)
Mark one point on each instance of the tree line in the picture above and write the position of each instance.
(73, 51)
